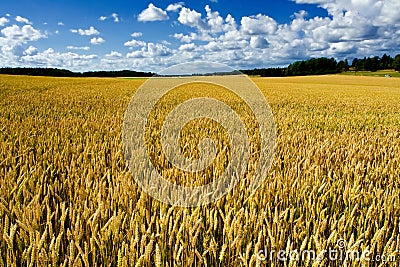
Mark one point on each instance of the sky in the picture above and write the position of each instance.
(150, 36)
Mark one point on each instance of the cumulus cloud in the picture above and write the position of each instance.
(84, 48)
(97, 40)
(135, 54)
(213, 46)
(136, 34)
(60, 23)
(155, 50)
(30, 51)
(115, 17)
(260, 24)
(51, 58)
(3, 21)
(191, 18)
(152, 50)
(113, 54)
(207, 28)
(379, 11)
(20, 35)
(353, 28)
(22, 20)
(214, 20)
(185, 38)
(133, 43)
(258, 42)
(187, 47)
(175, 7)
(152, 13)
(88, 32)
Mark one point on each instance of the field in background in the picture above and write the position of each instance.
(379, 73)
(66, 197)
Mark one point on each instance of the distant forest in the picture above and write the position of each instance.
(67, 73)
(314, 66)
(320, 66)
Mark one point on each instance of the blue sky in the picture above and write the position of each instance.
(148, 36)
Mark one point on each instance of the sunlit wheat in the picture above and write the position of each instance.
(68, 199)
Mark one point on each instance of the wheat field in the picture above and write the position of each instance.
(67, 197)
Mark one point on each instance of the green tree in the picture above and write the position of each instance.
(343, 65)
(386, 62)
(396, 63)
(346, 65)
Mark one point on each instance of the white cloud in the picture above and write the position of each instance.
(214, 20)
(153, 50)
(349, 31)
(213, 46)
(88, 32)
(175, 7)
(22, 20)
(3, 21)
(152, 13)
(191, 18)
(51, 58)
(389, 13)
(258, 42)
(185, 38)
(226, 45)
(133, 43)
(115, 17)
(135, 54)
(10, 54)
(97, 40)
(208, 28)
(379, 12)
(60, 23)
(137, 34)
(187, 47)
(84, 48)
(30, 51)
(114, 54)
(260, 24)
(20, 35)
(218, 24)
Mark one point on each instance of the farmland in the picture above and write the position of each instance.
(68, 199)
(379, 73)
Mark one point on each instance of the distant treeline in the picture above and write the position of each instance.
(377, 63)
(67, 73)
(314, 66)
(323, 65)
(223, 73)
(270, 72)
